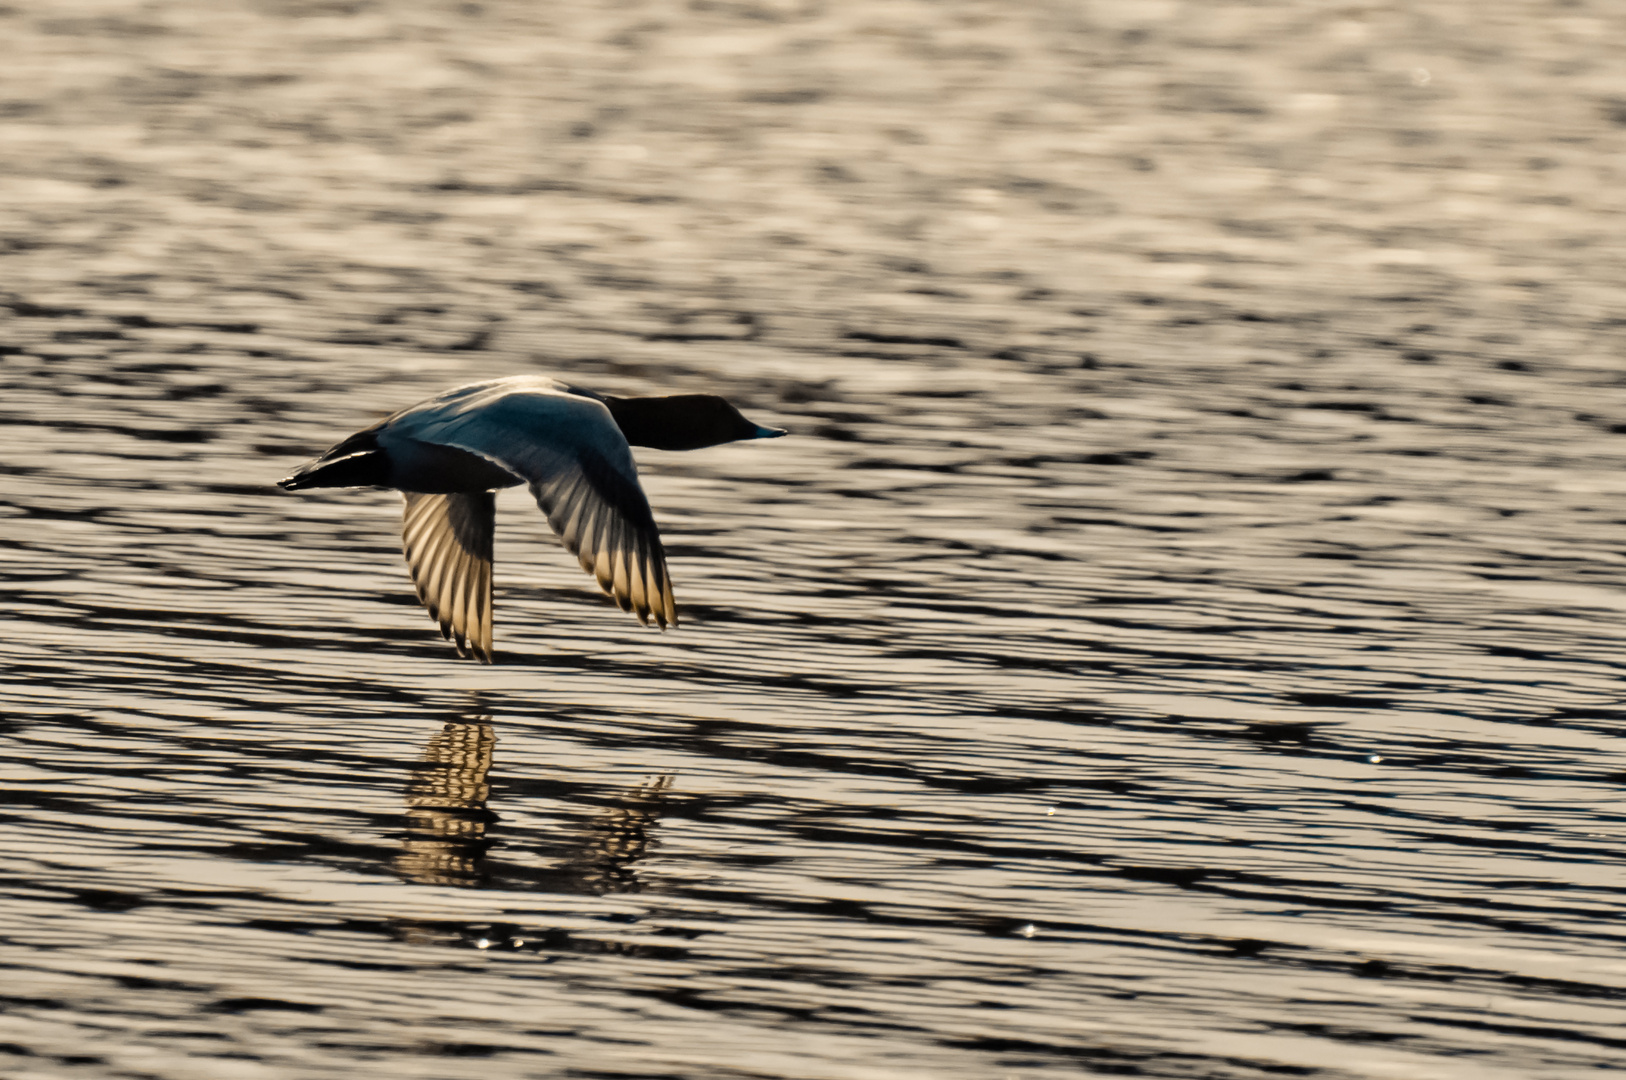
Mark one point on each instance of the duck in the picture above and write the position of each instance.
(449, 455)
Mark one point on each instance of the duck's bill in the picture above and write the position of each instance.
(769, 432)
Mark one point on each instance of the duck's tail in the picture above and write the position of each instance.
(356, 462)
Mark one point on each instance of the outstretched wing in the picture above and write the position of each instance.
(580, 469)
(604, 520)
(447, 541)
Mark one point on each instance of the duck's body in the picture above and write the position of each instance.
(448, 454)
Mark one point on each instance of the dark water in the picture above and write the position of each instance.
(1183, 637)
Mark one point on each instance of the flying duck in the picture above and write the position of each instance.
(449, 454)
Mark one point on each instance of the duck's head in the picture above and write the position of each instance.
(684, 421)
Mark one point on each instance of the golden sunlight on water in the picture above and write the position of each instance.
(1181, 636)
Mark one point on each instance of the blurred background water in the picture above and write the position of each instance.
(1182, 637)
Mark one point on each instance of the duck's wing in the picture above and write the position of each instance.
(568, 448)
(447, 540)
(604, 519)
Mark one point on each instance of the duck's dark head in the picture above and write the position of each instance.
(683, 421)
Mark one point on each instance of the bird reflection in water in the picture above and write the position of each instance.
(448, 825)
(447, 818)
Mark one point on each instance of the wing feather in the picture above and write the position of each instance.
(439, 573)
(621, 583)
(482, 640)
(587, 538)
(453, 589)
(424, 579)
(637, 594)
(604, 548)
(447, 542)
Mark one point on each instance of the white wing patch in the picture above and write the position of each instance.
(447, 541)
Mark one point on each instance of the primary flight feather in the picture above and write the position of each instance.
(447, 455)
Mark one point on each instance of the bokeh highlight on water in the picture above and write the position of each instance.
(1181, 638)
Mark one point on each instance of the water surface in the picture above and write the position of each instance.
(1182, 637)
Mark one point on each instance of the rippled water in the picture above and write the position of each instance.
(1182, 637)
